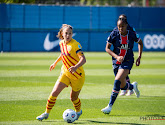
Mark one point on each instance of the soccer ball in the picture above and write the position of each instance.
(69, 115)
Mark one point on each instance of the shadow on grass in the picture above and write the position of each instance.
(100, 122)
(151, 96)
(94, 122)
(47, 121)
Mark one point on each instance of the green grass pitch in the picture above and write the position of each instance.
(26, 82)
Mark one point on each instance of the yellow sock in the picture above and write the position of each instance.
(77, 105)
(50, 103)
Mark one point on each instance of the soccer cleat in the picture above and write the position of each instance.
(43, 116)
(78, 114)
(135, 89)
(107, 109)
(123, 92)
(130, 92)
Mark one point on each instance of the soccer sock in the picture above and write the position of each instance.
(127, 86)
(77, 105)
(50, 103)
(115, 92)
(127, 79)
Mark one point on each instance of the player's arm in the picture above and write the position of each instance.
(81, 62)
(140, 49)
(110, 52)
(54, 64)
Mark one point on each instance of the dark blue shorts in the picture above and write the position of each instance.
(124, 65)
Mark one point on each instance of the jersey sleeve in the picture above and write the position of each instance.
(111, 37)
(78, 47)
(133, 30)
(136, 37)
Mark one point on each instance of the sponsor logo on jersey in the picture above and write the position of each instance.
(124, 46)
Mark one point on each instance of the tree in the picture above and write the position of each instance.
(17, 1)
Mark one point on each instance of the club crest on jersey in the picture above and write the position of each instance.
(69, 48)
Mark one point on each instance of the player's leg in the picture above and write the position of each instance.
(76, 102)
(128, 79)
(120, 81)
(129, 88)
(122, 92)
(132, 89)
(61, 83)
(59, 86)
(130, 92)
(76, 88)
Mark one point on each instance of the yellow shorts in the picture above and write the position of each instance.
(75, 84)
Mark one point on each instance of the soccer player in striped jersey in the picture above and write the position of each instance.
(72, 72)
(126, 92)
(123, 59)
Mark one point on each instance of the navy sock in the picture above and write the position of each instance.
(128, 86)
(127, 79)
(115, 92)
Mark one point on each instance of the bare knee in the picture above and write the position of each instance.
(59, 86)
(74, 95)
(55, 93)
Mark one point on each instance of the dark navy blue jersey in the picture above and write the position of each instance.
(123, 45)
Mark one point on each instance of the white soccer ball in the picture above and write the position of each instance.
(69, 115)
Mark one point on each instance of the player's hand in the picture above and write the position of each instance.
(52, 66)
(72, 69)
(120, 58)
(138, 61)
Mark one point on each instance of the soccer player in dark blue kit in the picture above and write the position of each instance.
(130, 91)
(123, 59)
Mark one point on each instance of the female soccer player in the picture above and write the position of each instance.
(125, 92)
(72, 72)
(123, 59)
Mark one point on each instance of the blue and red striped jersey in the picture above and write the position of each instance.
(123, 45)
